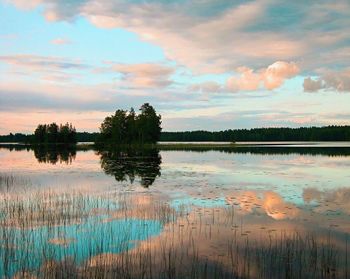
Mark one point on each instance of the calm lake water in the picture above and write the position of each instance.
(264, 212)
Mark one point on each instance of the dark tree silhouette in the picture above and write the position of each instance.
(329, 133)
(149, 124)
(54, 134)
(126, 127)
(133, 134)
(131, 127)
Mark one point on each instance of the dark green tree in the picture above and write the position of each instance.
(40, 134)
(126, 127)
(119, 130)
(149, 124)
(328, 133)
(131, 127)
(113, 128)
(54, 134)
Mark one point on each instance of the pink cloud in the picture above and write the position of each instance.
(60, 41)
(146, 75)
(248, 80)
(270, 78)
(278, 72)
(24, 4)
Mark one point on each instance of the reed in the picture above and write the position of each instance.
(76, 235)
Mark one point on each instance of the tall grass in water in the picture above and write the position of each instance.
(73, 235)
(10, 181)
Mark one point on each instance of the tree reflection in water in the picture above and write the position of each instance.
(128, 164)
(123, 164)
(54, 154)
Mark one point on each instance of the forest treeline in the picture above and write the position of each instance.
(328, 133)
(23, 138)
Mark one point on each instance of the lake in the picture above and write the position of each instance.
(255, 211)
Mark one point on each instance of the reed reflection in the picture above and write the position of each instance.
(128, 164)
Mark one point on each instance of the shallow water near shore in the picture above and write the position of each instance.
(241, 213)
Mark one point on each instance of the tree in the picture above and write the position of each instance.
(126, 127)
(329, 133)
(53, 134)
(119, 131)
(131, 128)
(40, 134)
(149, 124)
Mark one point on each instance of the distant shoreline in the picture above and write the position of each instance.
(312, 149)
(163, 145)
(272, 134)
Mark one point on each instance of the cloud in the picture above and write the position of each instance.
(215, 36)
(49, 68)
(137, 76)
(31, 95)
(278, 72)
(20, 96)
(60, 41)
(270, 78)
(235, 117)
(248, 80)
(37, 62)
(207, 86)
(252, 42)
(24, 4)
(337, 81)
(311, 85)
(146, 75)
(61, 102)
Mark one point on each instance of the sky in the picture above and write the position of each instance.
(203, 64)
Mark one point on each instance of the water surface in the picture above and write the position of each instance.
(218, 197)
